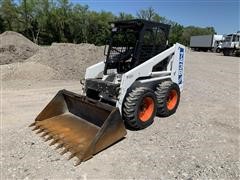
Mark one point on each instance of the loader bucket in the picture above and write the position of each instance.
(80, 125)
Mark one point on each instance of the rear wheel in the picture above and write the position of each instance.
(168, 97)
(139, 108)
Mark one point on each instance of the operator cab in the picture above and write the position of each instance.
(132, 42)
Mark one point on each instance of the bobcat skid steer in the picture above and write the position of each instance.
(141, 77)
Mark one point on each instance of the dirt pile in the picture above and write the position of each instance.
(14, 47)
(27, 71)
(22, 59)
(69, 60)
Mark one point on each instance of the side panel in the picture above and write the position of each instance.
(143, 70)
(177, 74)
(204, 41)
(95, 70)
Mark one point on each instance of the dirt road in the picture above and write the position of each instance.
(200, 141)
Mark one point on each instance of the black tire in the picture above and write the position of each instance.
(228, 52)
(132, 108)
(164, 96)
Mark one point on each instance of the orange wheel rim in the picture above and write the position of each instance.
(146, 109)
(172, 99)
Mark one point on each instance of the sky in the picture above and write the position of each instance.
(223, 15)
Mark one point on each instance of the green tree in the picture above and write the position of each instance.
(46, 29)
(175, 34)
(194, 31)
(98, 28)
(9, 14)
(79, 23)
(30, 17)
(151, 15)
(2, 25)
(124, 16)
(61, 16)
(47, 21)
(147, 14)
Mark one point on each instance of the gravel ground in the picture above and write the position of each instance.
(200, 141)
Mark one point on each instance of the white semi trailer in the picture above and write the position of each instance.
(205, 42)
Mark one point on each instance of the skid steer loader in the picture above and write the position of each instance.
(141, 77)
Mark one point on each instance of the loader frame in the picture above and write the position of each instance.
(144, 73)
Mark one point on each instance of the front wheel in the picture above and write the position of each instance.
(228, 52)
(168, 97)
(139, 108)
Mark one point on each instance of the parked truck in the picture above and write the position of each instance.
(231, 45)
(205, 42)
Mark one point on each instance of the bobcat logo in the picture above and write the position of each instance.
(180, 69)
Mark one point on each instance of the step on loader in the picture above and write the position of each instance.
(141, 78)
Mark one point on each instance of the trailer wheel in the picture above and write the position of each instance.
(139, 108)
(168, 97)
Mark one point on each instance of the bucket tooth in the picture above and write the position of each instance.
(78, 162)
(72, 155)
(40, 130)
(59, 146)
(48, 138)
(64, 151)
(54, 142)
(33, 124)
(44, 134)
(36, 127)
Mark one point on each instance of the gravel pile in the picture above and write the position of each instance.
(69, 60)
(28, 71)
(21, 59)
(14, 47)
